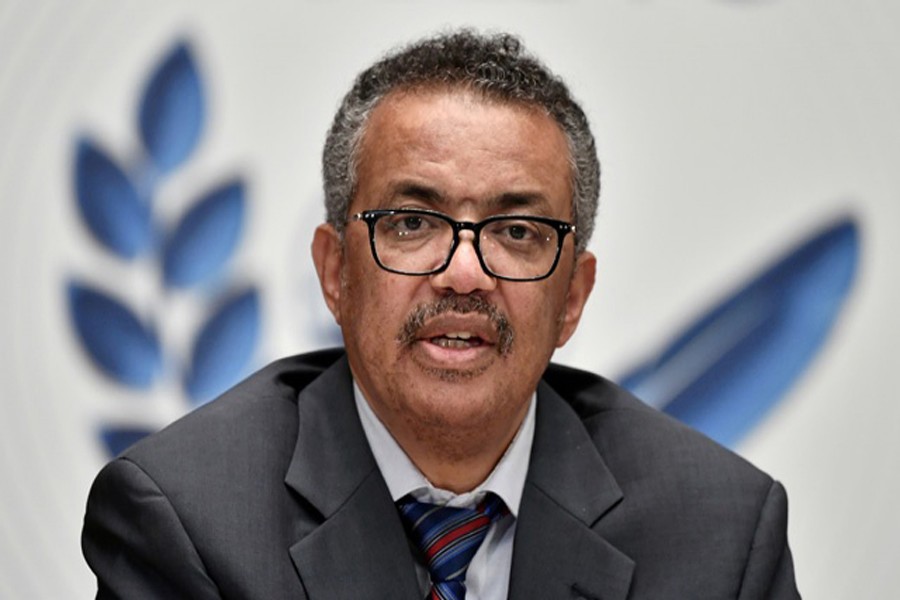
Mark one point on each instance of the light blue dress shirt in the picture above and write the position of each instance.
(488, 574)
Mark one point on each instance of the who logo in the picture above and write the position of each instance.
(186, 256)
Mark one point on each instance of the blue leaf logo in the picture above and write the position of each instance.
(109, 204)
(725, 371)
(117, 439)
(119, 344)
(205, 238)
(172, 110)
(118, 208)
(224, 346)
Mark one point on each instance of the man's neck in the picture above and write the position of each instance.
(451, 459)
(458, 461)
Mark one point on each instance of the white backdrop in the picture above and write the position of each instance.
(727, 130)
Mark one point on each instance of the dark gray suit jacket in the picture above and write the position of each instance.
(271, 491)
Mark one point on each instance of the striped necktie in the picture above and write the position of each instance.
(448, 538)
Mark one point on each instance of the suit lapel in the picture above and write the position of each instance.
(358, 548)
(568, 490)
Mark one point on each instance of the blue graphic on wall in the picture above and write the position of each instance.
(724, 372)
(118, 207)
(721, 374)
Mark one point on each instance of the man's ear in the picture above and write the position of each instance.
(580, 287)
(328, 259)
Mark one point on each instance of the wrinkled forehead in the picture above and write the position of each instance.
(454, 145)
(393, 110)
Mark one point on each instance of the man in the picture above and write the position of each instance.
(438, 454)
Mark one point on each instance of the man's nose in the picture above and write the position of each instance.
(464, 274)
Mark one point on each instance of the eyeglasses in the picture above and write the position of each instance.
(422, 242)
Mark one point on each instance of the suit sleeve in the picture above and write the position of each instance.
(135, 543)
(769, 573)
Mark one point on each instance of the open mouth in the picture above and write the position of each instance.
(457, 340)
(463, 326)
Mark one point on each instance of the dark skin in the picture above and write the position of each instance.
(452, 397)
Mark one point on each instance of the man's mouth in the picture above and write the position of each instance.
(457, 340)
(458, 323)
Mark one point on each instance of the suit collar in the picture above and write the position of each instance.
(568, 490)
(359, 549)
(331, 458)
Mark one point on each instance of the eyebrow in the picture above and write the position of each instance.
(418, 191)
(503, 202)
(511, 200)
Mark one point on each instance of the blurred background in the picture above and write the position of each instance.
(159, 184)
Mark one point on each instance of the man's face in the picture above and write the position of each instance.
(459, 350)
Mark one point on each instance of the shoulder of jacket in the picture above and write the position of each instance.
(630, 433)
(264, 405)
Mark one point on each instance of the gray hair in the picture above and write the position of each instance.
(494, 65)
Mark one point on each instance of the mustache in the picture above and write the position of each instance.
(459, 304)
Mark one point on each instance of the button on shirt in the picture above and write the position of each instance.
(488, 574)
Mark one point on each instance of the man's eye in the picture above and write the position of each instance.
(410, 226)
(410, 223)
(405, 222)
(517, 232)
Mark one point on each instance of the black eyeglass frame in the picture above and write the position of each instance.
(371, 217)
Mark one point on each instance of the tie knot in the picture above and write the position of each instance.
(449, 537)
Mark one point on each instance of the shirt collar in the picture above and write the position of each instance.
(507, 480)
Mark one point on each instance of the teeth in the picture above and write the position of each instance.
(445, 342)
(459, 335)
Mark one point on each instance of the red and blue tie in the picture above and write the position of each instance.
(448, 538)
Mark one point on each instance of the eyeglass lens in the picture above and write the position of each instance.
(421, 243)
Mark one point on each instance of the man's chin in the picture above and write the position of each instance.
(454, 375)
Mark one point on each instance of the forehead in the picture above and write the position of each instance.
(464, 148)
